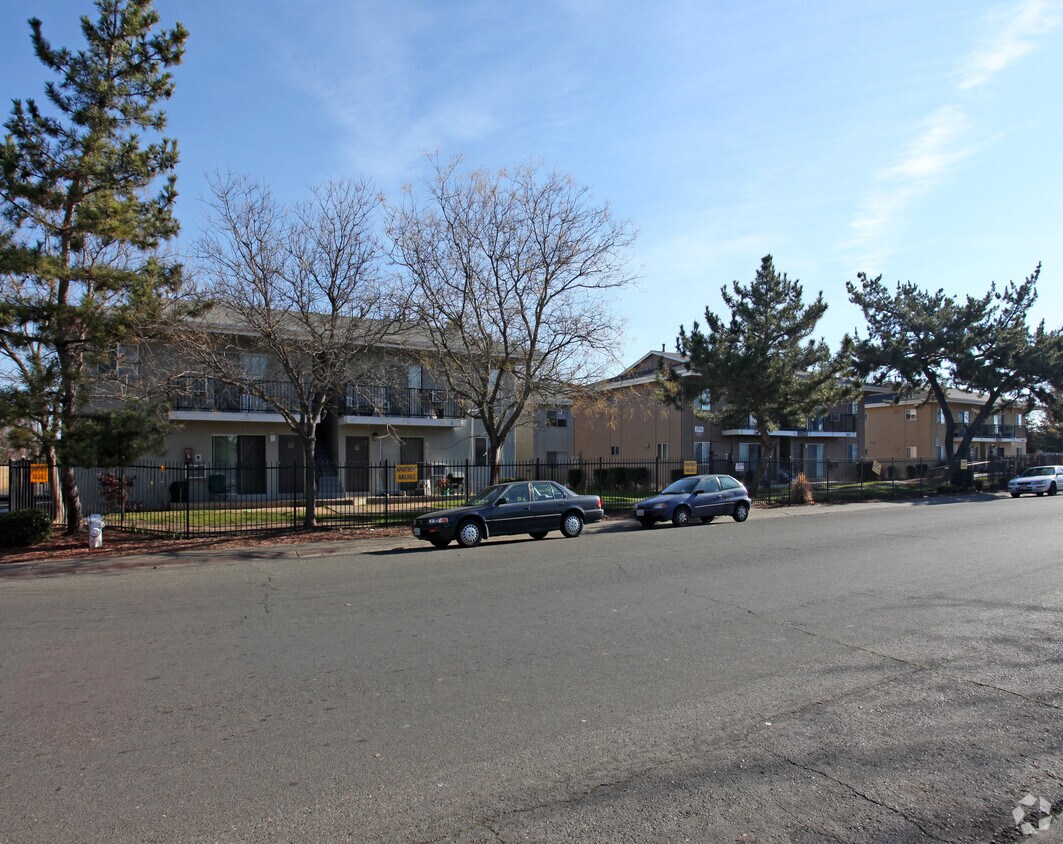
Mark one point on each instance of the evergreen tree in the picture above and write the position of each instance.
(88, 201)
(929, 342)
(761, 363)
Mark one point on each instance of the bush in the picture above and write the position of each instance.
(115, 490)
(24, 527)
(575, 478)
(639, 476)
(801, 490)
(962, 478)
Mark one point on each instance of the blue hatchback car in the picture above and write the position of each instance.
(695, 497)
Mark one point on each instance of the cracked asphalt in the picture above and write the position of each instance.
(868, 673)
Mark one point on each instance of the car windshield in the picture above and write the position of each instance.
(1037, 471)
(683, 485)
(488, 495)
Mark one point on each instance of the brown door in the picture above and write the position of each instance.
(357, 472)
(290, 460)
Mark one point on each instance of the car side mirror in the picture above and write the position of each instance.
(696, 492)
(500, 502)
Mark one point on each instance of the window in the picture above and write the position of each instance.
(853, 452)
(911, 415)
(709, 484)
(749, 454)
(911, 452)
(662, 451)
(614, 450)
(479, 450)
(556, 419)
(854, 407)
(241, 460)
(965, 417)
(941, 416)
(544, 491)
(728, 482)
(1018, 419)
(553, 458)
(127, 360)
(704, 400)
(703, 452)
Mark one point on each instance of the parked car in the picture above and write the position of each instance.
(695, 497)
(532, 507)
(1038, 480)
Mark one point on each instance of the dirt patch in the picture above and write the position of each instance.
(117, 544)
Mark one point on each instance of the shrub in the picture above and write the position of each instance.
(24, 527)
(115, 490)
(575, 478)
(639, 476)
(909, 471)
(962, 478)
(801, 490)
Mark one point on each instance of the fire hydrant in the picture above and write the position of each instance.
(96, 531)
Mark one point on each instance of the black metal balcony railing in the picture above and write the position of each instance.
(210, 395)
(379, 400)
(989, 430)
(838, 423)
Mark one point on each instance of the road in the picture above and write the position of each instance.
(867, 673)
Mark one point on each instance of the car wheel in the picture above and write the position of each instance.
(470, 534)
(741, 512)
(440, 543)
(646, 523)
(706, 519)
(572, 525)
(681, 517)
(538, 534)
(1052, 489)
(1016, 494)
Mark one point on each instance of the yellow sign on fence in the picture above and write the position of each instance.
(876, 469)
(39, 473)
(690, 467)
(406, 473)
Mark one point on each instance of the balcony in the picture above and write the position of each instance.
(209, 395)
(193, 396)
(375, 400)
(989, 431)
(833, 425)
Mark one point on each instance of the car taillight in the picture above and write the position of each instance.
(600, 505)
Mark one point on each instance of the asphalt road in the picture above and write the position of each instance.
(885, 673)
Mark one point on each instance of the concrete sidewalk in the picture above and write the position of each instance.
(95, 562)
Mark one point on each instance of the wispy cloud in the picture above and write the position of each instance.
(943, 140)
(1014, 38)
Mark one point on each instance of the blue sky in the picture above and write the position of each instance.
(917, 140)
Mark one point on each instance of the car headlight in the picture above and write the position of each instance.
(438, 520)
(662, 506)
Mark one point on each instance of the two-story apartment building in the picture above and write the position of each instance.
(913, 429)
(627, 421)
(403, 415)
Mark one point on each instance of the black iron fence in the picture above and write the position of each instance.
(201, 500)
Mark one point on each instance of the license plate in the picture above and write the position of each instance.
(416, 531)
(640, 512)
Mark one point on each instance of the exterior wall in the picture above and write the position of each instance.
(632, 421)
(890, 434)
(537, 438)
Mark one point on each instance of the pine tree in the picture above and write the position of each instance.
(88, 201)
(758, 363)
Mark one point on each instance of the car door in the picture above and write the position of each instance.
(512, 512)
(709, 500)
(547, 505)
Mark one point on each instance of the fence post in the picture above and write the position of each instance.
(188, 503)
(386, 490)
(893, 477)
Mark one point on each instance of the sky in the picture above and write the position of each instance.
(916, 140)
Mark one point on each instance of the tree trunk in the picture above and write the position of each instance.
(310, 484)
(54, 490)
(767, 449)
(71, 499)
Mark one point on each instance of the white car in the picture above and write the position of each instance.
(1038, 480)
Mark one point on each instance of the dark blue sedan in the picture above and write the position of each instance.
(695, 497)
(532, 507)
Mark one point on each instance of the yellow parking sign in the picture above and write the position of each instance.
(39, 473)
(690, 467)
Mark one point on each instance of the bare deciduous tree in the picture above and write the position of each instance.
(510, 275)
(302, 287)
